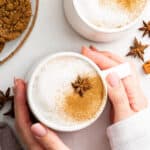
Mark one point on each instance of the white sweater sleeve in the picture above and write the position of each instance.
(132, 133)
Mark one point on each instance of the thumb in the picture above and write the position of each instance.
(47, 138)
(118, 98)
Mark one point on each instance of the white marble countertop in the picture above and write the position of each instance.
(53, 34)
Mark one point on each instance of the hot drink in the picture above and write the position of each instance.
(110, 14)
(67, 91)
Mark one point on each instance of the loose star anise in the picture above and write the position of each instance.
(10, 112)
(5, 97)
(137, 50)
(81, 85)
(145, 28)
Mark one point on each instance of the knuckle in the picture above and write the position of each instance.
(119, 98)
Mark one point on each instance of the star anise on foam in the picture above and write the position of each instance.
(81, 85)
(137, 50)
(145, 28)
(10, 112)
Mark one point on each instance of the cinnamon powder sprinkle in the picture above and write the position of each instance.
(129, 5)
(85, 108)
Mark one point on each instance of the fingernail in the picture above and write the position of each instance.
(93, 48)
(14, 90)
(15, 85)
(38, 130)
(15, 81)
(113, 79)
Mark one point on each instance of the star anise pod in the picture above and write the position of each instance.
(5, 97)
(137, 50)
(145, 28)
(81, 85)
(10, 112)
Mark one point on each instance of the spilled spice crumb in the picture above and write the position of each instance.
(2, 46)
(146, 67)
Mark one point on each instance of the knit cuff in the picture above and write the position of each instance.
(129, 130)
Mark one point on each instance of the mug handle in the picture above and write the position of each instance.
(122, 70)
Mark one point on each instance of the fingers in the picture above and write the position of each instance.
(113, 57)
(131, 83)
(136, 98)
(22, 115)
(48, 139)
(110, 55)
(21, 110)
(112, 114)
(116, 92)
(118, 97)
(102, 61)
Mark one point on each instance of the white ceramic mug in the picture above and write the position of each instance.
(90, 31)
(122, 70)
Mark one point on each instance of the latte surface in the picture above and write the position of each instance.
(53, 96)
(110, 14)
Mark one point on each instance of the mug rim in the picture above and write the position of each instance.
(101, 29)
(50, 124)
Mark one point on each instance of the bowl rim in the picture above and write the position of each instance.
(100, 29)
(28, 31)
(48, 123)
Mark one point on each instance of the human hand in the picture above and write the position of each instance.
(37, 136)
(125, 95)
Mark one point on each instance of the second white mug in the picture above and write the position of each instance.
(89, 31)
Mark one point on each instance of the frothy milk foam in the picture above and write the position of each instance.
(51, 83)
(110, 13)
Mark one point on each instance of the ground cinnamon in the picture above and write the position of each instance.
(129, 5)
(84, 108)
